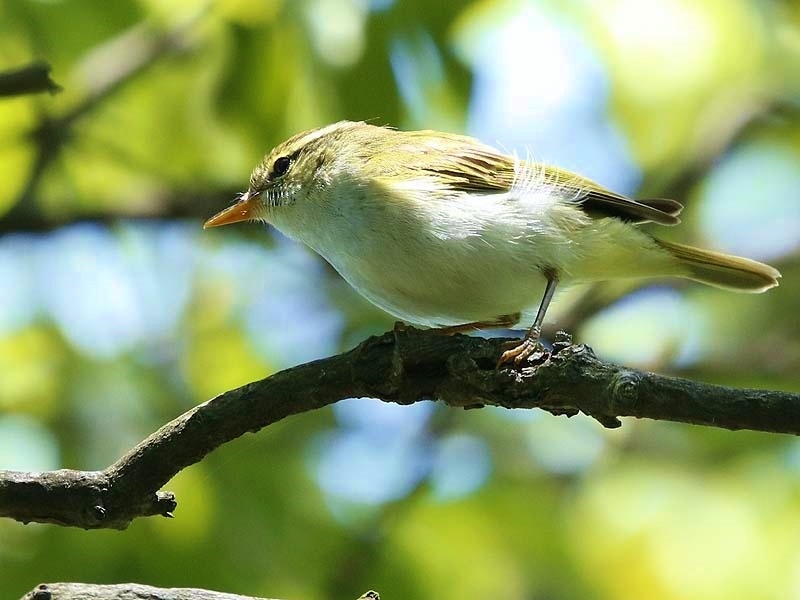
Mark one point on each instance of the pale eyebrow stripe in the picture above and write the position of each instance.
(318, 133)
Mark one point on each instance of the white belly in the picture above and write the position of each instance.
(445, 264)
(455, 283)
(471, 258)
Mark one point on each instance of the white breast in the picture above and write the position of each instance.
(438, 258)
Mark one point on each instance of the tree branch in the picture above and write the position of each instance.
(402, 366)
(33, 78)
(133, 591)
(179, 205)
(110, 67)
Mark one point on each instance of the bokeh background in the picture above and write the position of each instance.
(118, 312)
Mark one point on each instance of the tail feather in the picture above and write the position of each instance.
(723, 270)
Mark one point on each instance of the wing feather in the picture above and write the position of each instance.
(474, 168)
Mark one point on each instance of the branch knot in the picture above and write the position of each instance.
(624, 388)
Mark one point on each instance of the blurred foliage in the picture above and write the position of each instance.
(117, 312)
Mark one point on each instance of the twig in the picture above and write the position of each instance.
(198, 205)
(29, 79)
(140, 48)
(402, 367)
(134, 591)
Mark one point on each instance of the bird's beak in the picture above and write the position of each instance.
(243, 210)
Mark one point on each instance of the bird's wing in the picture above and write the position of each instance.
(600, 202)
(475, 168)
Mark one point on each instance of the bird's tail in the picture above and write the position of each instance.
(723, 270)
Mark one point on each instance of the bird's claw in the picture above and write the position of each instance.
(521, 352)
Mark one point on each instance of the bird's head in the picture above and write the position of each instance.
(294, 173)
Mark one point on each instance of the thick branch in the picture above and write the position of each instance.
(133, 591)
(402, 367)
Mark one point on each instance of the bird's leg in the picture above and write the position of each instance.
(524, 349)
(503, 321)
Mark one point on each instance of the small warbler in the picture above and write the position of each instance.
(440, 230)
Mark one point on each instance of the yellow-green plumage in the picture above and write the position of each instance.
(439, 229)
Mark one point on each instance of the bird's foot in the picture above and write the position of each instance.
(529, 349)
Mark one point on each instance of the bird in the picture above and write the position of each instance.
(443, 231)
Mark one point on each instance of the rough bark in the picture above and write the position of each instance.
(402, 366)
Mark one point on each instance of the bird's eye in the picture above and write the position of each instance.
(281, 165)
